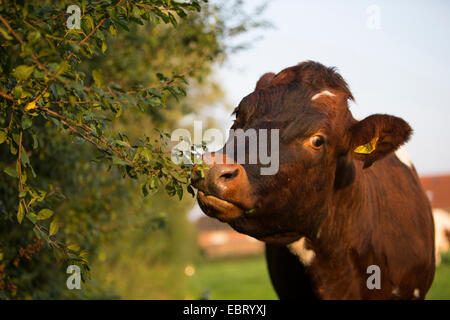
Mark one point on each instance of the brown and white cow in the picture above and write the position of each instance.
(341, 201)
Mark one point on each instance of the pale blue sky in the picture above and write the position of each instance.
(402, 69)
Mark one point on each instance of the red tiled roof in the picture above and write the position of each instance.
(438, 190)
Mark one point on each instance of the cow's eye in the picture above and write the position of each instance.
(317, 141)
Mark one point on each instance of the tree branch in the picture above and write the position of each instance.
(18, 38)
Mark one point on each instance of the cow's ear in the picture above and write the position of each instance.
(376, 136)
(265, 80)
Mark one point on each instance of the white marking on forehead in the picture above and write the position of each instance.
(416, 293)
(322, 93)
(403, 156)
(306, 256)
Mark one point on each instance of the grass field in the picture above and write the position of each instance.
(239, 278)
(440, 290)
(247, 278)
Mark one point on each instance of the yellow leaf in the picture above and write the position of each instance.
(73, 247)
(53, 227)
(112, 29)
(31, 105)
(84, 254)
(368, 147)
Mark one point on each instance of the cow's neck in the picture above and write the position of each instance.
(336, 240)
(345, 210)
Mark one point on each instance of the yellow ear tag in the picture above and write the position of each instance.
(368, 147)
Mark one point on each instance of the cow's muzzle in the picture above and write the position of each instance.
(223, 189)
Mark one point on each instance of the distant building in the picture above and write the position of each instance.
(437, 189)
(218, 239)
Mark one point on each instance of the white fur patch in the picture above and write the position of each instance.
(306, 256)
(322, 93)
(403, 156)
(416, 293)
(396, 292)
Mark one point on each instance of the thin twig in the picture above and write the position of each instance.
(88, 36)
(19, 161)
(18, 38)
(7, 96)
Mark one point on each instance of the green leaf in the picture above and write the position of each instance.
(87, 23)
(17, 92)
(34, 37)
(44, 214)
(26, 122)
(104, 47)
(123, 143)
(20, 213)
(63, 67)
(191, 190)
(12, 149)
(98, 77)
(54, 227)
(170, 189)
(32, 217)
(249, 211)
(35, 142)
(155, 92)
(118, 161)
(23, 72)
(144, 189)
(180, 192)
(37, 233)
(5, 34)
(11, 172)
(24, 158)
(3, 136)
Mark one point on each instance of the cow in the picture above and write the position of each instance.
(342, 207)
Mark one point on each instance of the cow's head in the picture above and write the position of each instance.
(320, 144)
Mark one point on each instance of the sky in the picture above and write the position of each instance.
(395, 56)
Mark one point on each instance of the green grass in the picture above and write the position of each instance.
(247, 278)
(440, 290)
(239, 278)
